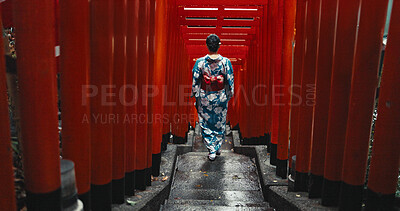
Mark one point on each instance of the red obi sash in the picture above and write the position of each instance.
(213, 83)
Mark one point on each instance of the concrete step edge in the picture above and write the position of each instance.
(205, 207)
(216, 202)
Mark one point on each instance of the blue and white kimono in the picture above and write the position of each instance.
(213, 105)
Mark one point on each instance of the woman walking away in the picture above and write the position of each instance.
(213, 88)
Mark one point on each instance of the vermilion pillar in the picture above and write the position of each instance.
(160, 61)
(286, 81)
(306, 110)
(362, 100)
(384, 167)
(142, 103)
(244, 99)
(7, 192)
(152, 92)
(266, 42)
(323, 85)
(170, 77)
(75, 90)
(260, 122)
(346, 28)
(38, 92)
(131, 95)
(119, 81)
(101, 104)
(298, 61)
(276, 59)
(261, 84)
(269, 75)
(251, 109)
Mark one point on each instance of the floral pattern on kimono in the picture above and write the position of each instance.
(213, 105)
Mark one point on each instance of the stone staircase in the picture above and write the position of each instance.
(228, 183)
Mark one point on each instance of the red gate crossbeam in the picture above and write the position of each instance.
(232, 11)
(225, 42)
(218, 31)
(224, 50)
(222, 36)
(234, 58)
(215, 22)
(221, 2)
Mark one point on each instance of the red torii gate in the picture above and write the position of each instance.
(259, 35)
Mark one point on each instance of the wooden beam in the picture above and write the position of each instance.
(216, 22)
(215, 30)
(225, 42)
(224, 36)
(231, 11)
(222, 2)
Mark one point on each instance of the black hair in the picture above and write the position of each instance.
(213, 43)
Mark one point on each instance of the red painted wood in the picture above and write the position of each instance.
(131, 94)
(7, 193)
(323, 85)
(224, 36)
(220, 2)
(215, 22)
(38, 94)
(276, 66)
(363, 89)
(161, 35)
(229, 11)
(264, 71)
(74, 77)
(306, 110)
(7, 13)
(269, 75)
(286, 78)
(101, 73)
(151, 93)
(384, 168)
(119, 81)
(261, 82)
(340, 88)
(298, 63)
(224, 42)
(142, 81)
(218, 31)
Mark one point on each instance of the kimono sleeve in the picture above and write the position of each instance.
(196, 72)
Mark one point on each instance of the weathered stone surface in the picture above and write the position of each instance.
(212, 194)
(281, 199)
(154, 195)
(268, 171)
(211, 208)
(231, 182)
(216, 180)
(227, 162)
(219, 203)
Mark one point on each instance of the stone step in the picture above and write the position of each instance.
(218, 203)
(210, 208)
(226, 162)
(216, 180)
(214, 194)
